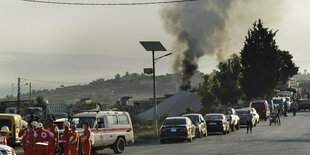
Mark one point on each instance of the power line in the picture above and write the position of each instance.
(132, 3)
(54, 82)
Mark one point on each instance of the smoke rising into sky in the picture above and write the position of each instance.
(212, 28)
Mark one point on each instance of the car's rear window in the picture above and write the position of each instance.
(277, 101)
(193, 118)
(224, 111)
(208, 117)
(241, 112)
(174, 121)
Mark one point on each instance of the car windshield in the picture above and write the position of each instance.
(242, 112)
(277, 101)
(193, 118)
(208, 117)
(223, 111)
(174, 121)
(78, 121)
(5, 122)
(59, 125)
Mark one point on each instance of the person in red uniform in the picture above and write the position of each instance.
(30, 138)
(85, 139)
(53, 142)
(65, 138)
(23, 138)
(42, 141)
(4, 131)
(73, 142)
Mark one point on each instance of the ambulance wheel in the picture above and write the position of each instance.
(119, 145)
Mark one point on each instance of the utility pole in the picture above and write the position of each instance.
(154, 46)
(18, 96)
(154, 95)
(30, 91)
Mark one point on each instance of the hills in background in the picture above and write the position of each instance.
(139, 86)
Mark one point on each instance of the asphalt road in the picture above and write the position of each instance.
(291, 138)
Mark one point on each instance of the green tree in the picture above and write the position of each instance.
(259, 60)
(229, 75)
(206, 93)
(287, 68)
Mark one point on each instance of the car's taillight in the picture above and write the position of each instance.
(221, 123)
(162, 130)
(184, 129)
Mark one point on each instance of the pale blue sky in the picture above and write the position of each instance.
(115, 31)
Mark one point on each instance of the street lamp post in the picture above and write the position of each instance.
(154, 46)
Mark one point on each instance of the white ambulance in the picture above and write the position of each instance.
(109, 129)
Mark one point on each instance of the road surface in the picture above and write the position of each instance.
(291, 138)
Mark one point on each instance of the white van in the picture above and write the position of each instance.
(109, 129)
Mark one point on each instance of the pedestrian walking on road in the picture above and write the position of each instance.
(249, 123)
(278, 114)
(294, 107)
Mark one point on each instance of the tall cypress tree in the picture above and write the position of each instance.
(259, 60)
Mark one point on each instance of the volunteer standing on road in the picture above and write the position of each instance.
(30, 138)
(4, 131)
(66, 137)
(73, 142)
(42, 141)
(53, 142)
(294, 107)
(22, 137)
(85, 139)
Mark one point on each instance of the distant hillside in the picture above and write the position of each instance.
(108, 91)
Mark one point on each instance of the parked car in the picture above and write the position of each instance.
(177, 128)
(14, 122)
(110, 129)
(262, 108)
(304, 105)
(200, 124)
(255, 115)
(243, 114)
(60, 122)
(231, 117)
(217, 123)
(6, 150)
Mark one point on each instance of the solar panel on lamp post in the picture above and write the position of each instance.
(154, 46)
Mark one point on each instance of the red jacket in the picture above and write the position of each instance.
(72, 135)
(87, 133)
(54, 129)
(66, 137)
(3, 139)
(44, 135)
(29, 137)
(21, 134)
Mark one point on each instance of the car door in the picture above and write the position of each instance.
(100, 136)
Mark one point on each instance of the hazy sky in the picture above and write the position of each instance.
(80, 43)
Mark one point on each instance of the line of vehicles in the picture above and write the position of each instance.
(223, 120)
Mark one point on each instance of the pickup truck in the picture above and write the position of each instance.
(231, 116)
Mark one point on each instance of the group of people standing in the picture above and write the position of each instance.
(37, 140)
(71, 139)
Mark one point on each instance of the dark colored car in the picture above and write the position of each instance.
(217, 123)
(177, 128)
(262, 108)
(304, 105)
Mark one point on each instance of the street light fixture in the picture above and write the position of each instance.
(154, 46)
